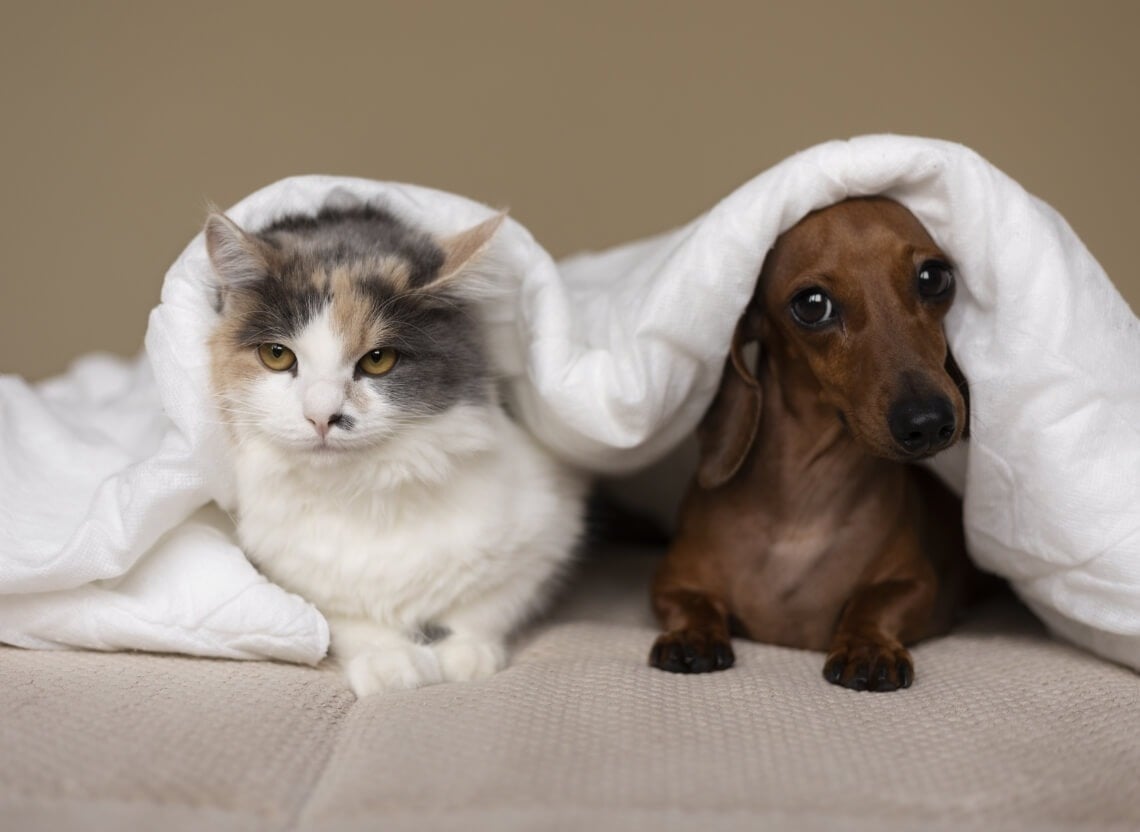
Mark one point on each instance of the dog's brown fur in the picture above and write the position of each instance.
(805, 525)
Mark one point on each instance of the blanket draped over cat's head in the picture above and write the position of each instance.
(339, 329)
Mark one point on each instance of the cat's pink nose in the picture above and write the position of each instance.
(323, 424)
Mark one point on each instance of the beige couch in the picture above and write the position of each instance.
(1003, 729)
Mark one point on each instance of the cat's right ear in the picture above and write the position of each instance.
(466, 254)
(238, 259)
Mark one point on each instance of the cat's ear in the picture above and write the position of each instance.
(238, 258)
(462, 251)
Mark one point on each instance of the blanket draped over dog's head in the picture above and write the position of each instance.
(610, 359)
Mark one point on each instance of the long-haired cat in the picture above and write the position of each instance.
(377, 474)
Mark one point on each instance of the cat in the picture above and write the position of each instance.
(377, 475)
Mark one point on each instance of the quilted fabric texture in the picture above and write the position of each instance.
(1003, 730)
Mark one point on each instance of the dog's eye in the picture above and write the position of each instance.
(935, 279)
(812, 307)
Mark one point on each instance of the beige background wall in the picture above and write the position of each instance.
(596, 122)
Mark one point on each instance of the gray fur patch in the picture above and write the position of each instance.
(441, 360)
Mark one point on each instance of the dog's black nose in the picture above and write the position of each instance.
(922, 425)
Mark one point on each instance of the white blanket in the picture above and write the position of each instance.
(610, 359)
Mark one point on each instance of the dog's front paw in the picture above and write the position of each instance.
(397, 667)
(869, 665)
(691, 651)
(463, 659)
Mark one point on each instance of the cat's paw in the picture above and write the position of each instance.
(398, 667)
(464, 659)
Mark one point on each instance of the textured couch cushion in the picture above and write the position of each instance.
(1003, 729)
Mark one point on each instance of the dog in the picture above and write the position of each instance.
(806, 524)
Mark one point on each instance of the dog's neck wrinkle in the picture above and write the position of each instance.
(794, 416)
(804, 450)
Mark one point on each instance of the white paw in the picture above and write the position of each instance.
(398, 667)
(466, 659)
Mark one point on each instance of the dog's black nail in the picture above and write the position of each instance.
(883, 678)
(860, 677)
(833, 670)
(723, 656)
(905, 673)
(697, 659)
(668, 657)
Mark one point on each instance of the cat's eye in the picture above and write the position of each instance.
(378, 362)
(276, 357)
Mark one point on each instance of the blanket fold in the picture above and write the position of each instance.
(609, 359)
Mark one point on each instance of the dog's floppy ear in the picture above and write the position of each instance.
(959, 379)
(728, 429)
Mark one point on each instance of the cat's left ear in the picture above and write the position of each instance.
(239, 259)
(464, 250)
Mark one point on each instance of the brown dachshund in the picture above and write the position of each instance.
(805, 525)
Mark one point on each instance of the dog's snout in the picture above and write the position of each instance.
(922, 425)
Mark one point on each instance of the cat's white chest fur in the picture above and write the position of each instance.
(462, 527)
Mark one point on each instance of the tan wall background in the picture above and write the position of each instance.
(596, 122)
